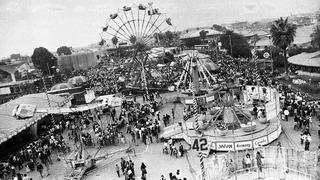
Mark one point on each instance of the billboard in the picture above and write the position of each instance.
(78, 61)
(25, 110)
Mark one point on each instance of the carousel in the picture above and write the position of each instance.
(224, 117)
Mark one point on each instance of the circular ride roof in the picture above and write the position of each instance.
(306, 59)
(61, 86)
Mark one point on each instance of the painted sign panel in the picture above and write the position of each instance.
(243, 145)
(260, 142)
(273, 136)
(225, 146)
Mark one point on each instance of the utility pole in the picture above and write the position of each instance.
(230, 44)
(270, 54)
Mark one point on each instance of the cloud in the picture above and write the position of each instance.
(52, 8)
(250, 7)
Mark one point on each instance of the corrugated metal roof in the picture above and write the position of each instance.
(10, 125)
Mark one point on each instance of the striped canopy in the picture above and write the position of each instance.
(61, 86)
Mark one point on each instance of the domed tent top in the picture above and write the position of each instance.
(77, 80)
(61, 86)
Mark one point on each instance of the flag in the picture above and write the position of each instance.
(125, 8)
(104, 29)
(142, 7)
(168, 21)
(113, 16)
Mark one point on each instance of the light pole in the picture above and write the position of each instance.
(48, 99)
(196, 117)
(270, 50)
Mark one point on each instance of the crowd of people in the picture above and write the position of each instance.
(303, 111)
(35, 155)
(134, 122)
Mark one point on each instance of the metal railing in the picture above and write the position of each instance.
(278, 163)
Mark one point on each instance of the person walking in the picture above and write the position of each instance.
(143, 169)
(259, 158)
(307, 143)
(118, 170)
(172, 111)
(286, 114)
(40, 169)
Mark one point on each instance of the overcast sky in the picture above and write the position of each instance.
(26, 24)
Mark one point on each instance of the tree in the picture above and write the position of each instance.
(315, 37)
(169, 35)
(235, 43)
(203, 35)
(283, 33)
(114, 40)
(64, 50)
(43, 60)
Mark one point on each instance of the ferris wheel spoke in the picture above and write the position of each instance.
(143, 20)
(151, 26)
(113, 35)
(134, 24)
(151, 34)
(148, 22)
(130, 33)
(138, 22)
(149, 37)
(120, 28)
(133, 32)
(124, 38)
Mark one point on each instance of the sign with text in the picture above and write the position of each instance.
(188, 101)
(200, 144)
(260, 142)
(273, 136)
(225, 146)
(212, 146)
(243, 145)
(210, 98)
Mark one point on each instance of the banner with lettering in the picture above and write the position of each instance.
(271, 111)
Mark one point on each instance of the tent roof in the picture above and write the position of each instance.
(10, 125)
(306, 59)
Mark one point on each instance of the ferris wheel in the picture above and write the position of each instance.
(136, 24)
(139, 27)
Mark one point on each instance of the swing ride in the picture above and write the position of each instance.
(229, 117)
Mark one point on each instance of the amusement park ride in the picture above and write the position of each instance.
(217, 117)
(137, 26)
